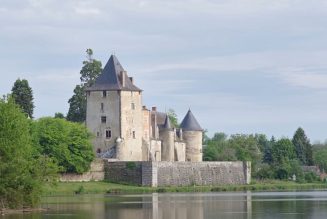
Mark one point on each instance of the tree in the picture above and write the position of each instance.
(67, 143)
(59, 115)
(173, 118)
(77, 103)
(20, 174)
(267, 156)
(283, 151)
(303, 147)
(320, 158)
(23, 96)
(90, 70)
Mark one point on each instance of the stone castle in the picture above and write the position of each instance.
(125, 130)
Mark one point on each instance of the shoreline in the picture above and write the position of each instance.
(76, 188)
(7, 211)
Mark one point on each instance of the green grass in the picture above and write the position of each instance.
(72, 188)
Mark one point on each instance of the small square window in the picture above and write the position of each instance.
(103, 119)
(104, 93)
(108, 133)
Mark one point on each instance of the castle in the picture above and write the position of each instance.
(125, 130)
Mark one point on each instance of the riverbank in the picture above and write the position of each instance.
(72, 188)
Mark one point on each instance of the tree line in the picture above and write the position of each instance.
(271, 158)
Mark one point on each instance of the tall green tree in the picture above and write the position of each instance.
(23, 96)
(20, 173)
(90, 70)
(303, 147)
(77, 103)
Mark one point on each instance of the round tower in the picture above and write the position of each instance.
(167, 136)
(192, 136)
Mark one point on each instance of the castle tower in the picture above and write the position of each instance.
(114, 113)
(167, 136)
(192, 135)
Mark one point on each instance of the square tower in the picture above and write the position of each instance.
(114, 114)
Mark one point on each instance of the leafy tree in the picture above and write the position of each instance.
(90, 70)
(303, 147)
(283, 154)
(21, 174)
(67, 143)
(23, 96)
(320, 158)
(59, 115)
(77, 103)
(173, 118)
(283, 151)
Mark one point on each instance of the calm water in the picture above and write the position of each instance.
(186, 206)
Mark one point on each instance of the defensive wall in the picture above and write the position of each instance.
(166, 173)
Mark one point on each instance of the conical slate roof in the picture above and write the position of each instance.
(167, 123)
(109, 79)
(189, 123)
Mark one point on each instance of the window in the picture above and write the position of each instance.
(133, 106)
(102, 107)
(98, 134)
(103, 119)
(108, 133)
(98, 150)
(133, 134)
(104, 93)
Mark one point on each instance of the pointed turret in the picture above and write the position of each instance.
(113, 77)
(167, 124)
(189, 123)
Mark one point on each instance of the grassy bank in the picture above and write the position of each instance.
(71, 188)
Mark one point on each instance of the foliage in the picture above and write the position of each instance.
(283, 151)
(59, 115)
(67, 143)
(21, 174)
(173, 118)
(23, 96)
(77, 103)
(320, 158)
(303, 147)
(90, 70)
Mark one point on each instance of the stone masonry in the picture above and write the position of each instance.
(178, 173)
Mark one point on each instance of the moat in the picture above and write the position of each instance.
(310, 204)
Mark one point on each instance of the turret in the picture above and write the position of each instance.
(167, 136)
(192, 135)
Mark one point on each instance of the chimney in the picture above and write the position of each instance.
(154, 108)
(122, 78)
(132, 80)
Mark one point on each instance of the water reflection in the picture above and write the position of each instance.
(186, 206)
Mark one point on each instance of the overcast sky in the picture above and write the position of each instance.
(242, 66)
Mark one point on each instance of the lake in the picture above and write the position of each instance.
(311, 204)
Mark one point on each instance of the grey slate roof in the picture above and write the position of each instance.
(109, 79)
(189, 123)
(167, 123)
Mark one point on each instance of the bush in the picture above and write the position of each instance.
(311, 177)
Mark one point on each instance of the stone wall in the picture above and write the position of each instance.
(96, 173)
(178, 173)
